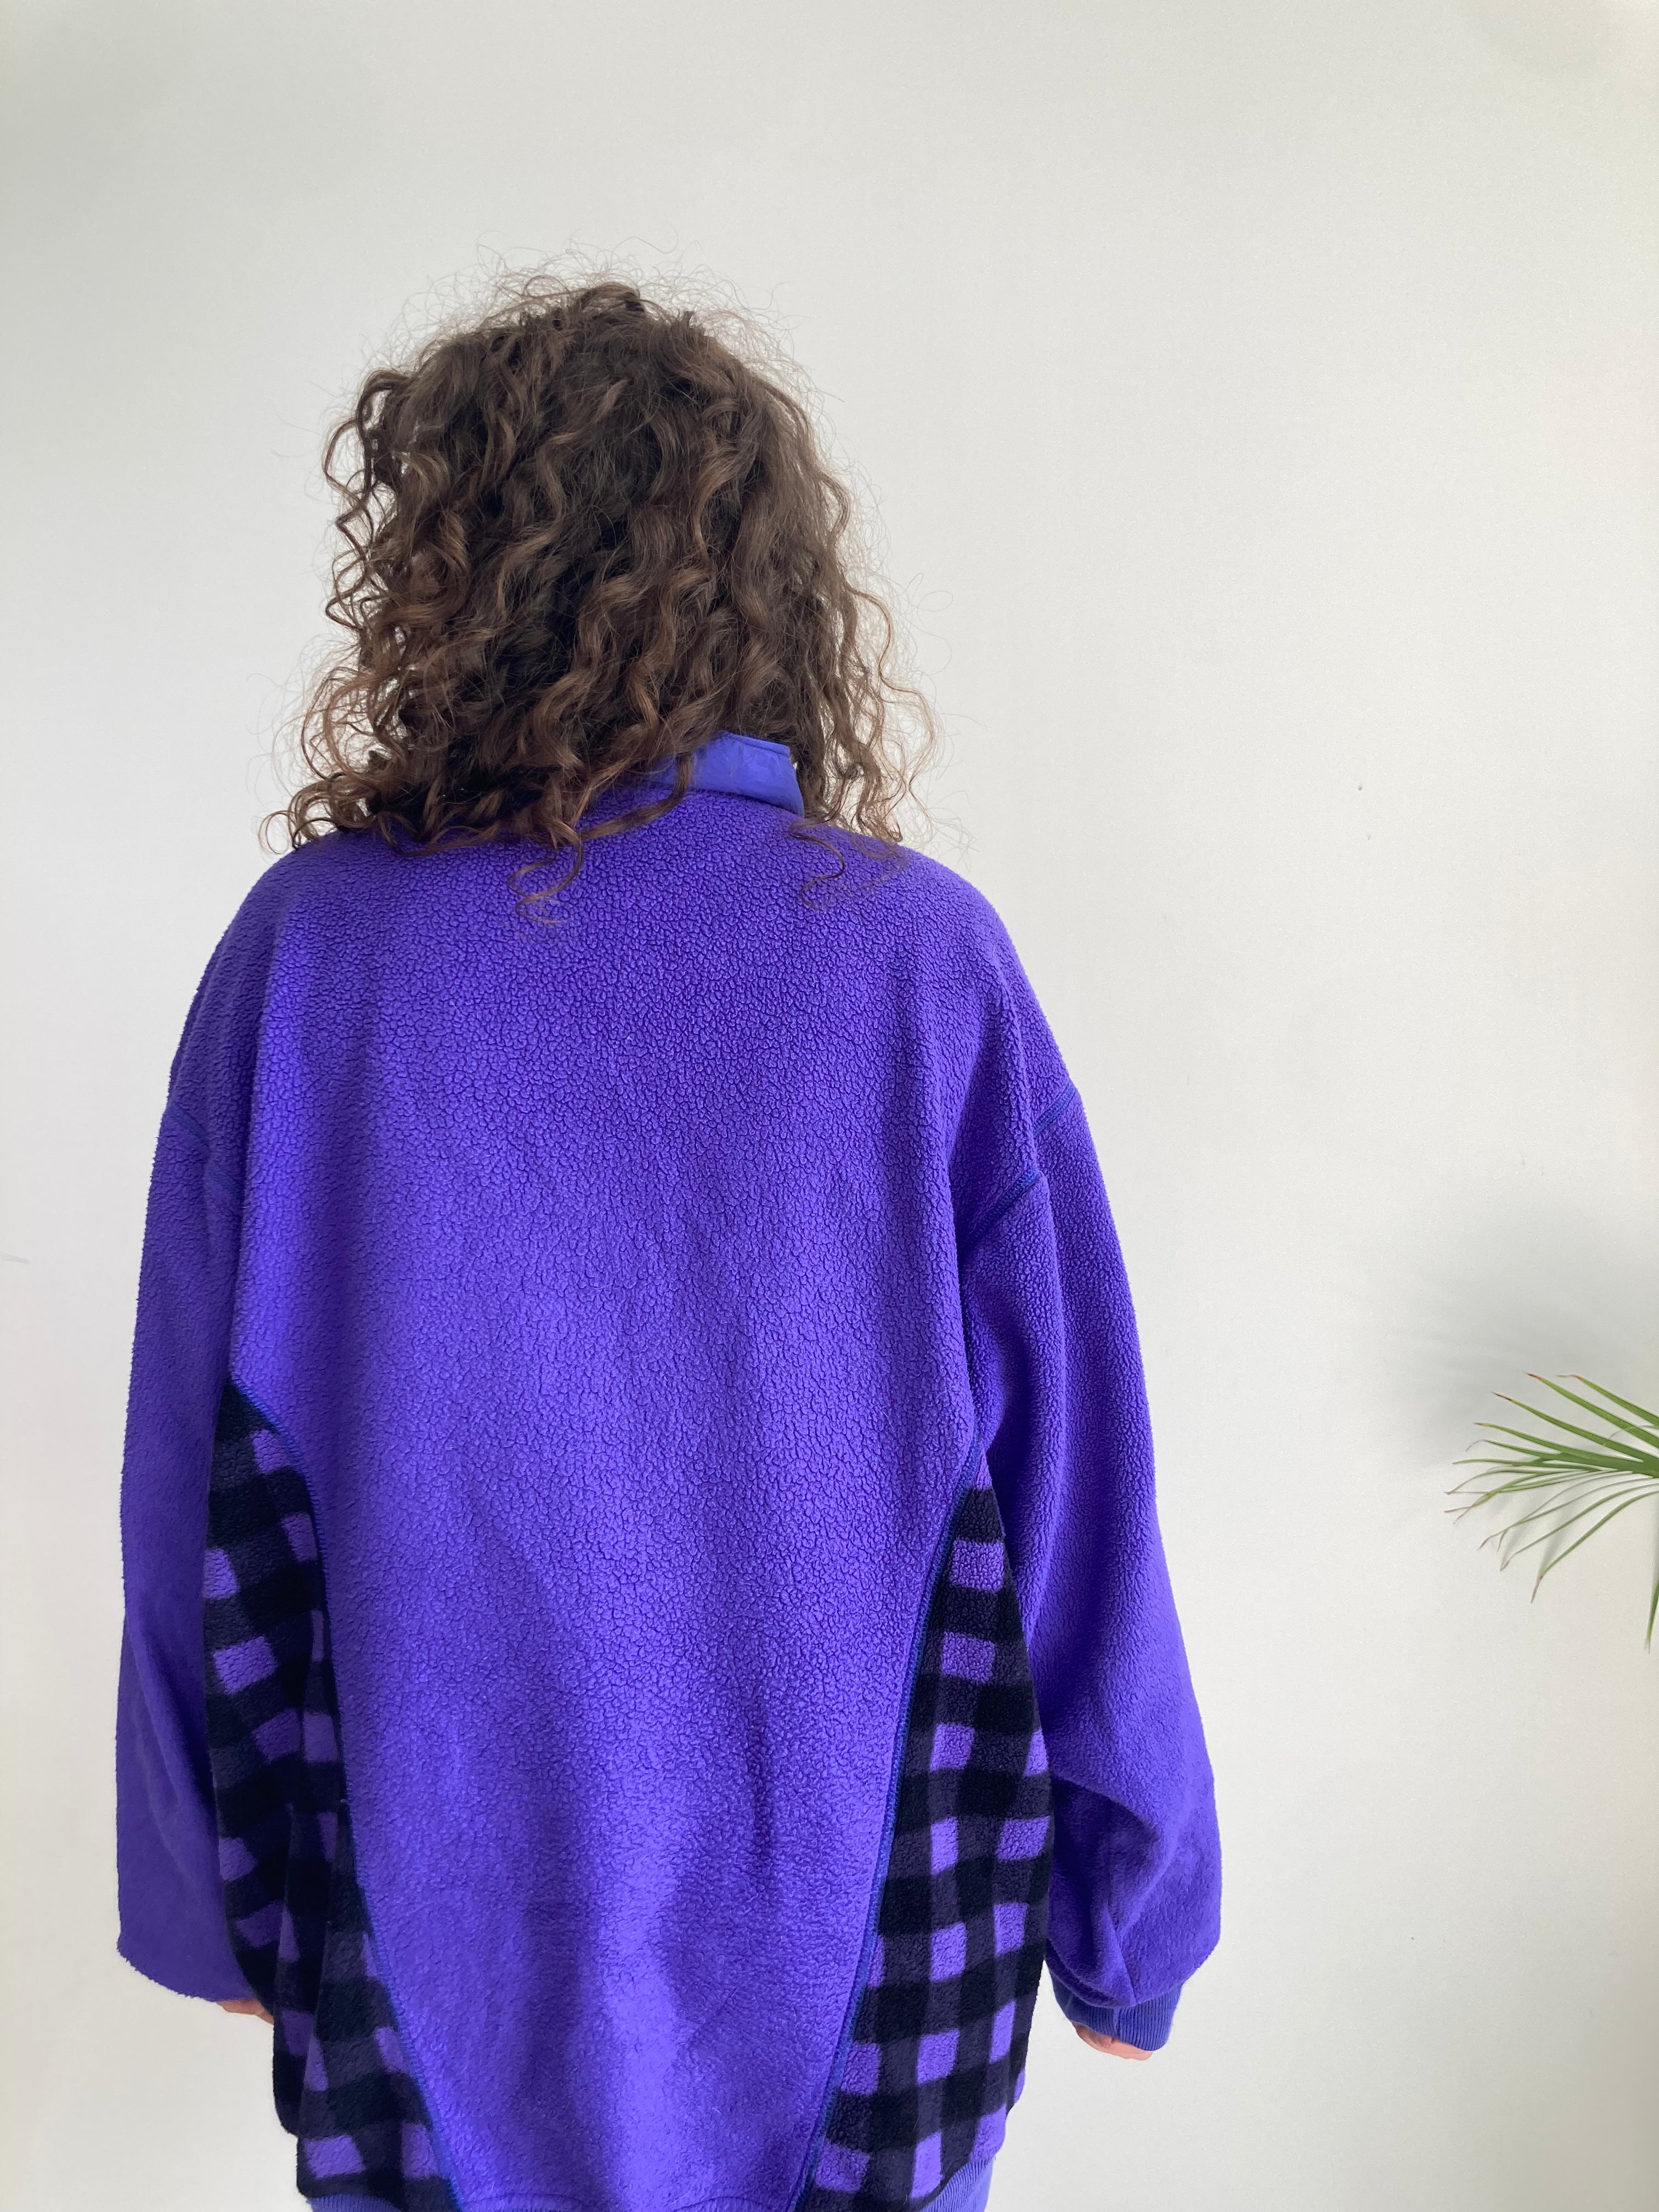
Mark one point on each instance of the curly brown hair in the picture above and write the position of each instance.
(583, 535)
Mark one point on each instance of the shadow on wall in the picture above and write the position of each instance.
(1559, 36)
(1553, 1290)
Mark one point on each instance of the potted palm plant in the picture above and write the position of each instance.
(1568, 1480)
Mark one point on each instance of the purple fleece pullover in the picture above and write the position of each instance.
(634, 1424)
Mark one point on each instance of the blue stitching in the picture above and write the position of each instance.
(1068, 1096)
(1021, 1184)
(1009, 1198)
(199, 1138)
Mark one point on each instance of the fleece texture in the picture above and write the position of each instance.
(299, 1923)
(635, 1283)
(938, 2043)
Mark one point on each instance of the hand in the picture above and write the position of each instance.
(246, 2004)
(1109, 2044)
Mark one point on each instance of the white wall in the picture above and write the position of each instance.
(1259, 398)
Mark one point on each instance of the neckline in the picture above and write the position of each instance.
(743, 767)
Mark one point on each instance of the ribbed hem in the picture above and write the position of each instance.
(1145, 2026)
(966, 2191)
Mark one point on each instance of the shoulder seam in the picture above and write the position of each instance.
(1027, 1181)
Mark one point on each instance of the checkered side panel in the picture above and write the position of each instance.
(299, 1924)
(937, 2053)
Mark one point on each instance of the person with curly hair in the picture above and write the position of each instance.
(645, 1621)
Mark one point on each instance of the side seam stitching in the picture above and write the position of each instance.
(280, 1431)
(918, 1642)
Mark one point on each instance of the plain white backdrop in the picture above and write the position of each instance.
(1258, 400)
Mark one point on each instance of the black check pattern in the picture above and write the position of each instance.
(937, 2053)
(298, 1922)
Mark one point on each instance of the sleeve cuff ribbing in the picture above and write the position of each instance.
(1145, 2026)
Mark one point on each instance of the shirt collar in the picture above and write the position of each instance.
(745, 767)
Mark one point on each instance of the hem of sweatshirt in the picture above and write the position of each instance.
(963, 2192)
(1145, 2026)
(966, 2190)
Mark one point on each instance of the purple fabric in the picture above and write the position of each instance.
(1057, 1378)
(1145, 2026)
(939, 2042)
(750, 768)
(630, 1291)
(300, 1924)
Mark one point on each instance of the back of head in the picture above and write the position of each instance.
(584, 534)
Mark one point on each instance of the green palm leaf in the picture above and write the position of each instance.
(1614, 1468)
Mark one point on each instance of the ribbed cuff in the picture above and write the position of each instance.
(1145, 2026)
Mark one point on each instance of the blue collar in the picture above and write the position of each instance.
(746, 768)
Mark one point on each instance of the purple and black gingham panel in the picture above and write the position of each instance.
(937, 2053)
(298, 1921)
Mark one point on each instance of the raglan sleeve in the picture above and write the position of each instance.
(1134, 1902)
(171, 1914)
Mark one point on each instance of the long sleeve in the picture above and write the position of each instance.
(171, 1900)
(1051, 1334)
